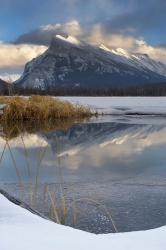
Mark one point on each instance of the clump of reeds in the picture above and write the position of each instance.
(40, 108)
(60, 215)
(13, 129)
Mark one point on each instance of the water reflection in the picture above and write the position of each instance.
(100, 177)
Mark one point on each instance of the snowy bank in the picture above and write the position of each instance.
(22, 230)
(122, 105)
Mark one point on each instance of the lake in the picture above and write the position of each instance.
(107, 174)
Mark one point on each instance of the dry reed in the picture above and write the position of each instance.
(40, 108)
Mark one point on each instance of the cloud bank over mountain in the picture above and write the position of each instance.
(14, 57)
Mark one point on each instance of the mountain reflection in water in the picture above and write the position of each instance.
(99, 177)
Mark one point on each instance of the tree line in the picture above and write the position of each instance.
(158, 89)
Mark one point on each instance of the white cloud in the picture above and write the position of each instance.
(157, 53)
(15, 56)
(98, 35)
(73, 28)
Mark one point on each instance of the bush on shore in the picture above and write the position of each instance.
(40, 108)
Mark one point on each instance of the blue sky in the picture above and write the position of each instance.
(145, 18)
(20, 16)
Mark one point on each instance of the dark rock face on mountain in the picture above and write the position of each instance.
(69, 63)
(3, 87)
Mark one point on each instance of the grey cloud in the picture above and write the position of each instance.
(44, 34)
(37, 36)
(143, 17)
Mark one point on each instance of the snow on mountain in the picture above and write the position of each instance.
(102, 46)
(9, 77)
(70, 63)
(142, 61)
(69, 39)
(121, 52)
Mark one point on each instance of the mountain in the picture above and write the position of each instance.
(141, 61)
(9, 77)
(3, 87)
(69, 63)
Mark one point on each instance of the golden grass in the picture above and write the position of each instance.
(40, 108)
(59, 215)
(13, 129)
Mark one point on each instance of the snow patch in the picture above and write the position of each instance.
(69, 39)
(19, 229)
(121, 52)
(122, 105)
(102, 46)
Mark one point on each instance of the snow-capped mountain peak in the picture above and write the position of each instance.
(70, 63)
(69, 39)
(139, 61)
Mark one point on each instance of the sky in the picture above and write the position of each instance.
(26, 27)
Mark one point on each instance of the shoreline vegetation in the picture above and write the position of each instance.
(10, 130)
(39, 108)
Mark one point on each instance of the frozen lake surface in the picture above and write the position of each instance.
(123, 105)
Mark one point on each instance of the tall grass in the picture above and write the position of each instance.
(16, 128)
(40, 108)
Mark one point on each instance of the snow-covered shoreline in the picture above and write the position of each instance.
(122, 105)
(20, 229)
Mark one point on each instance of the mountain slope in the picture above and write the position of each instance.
(3, 87)
(138, 60)
(69, 63)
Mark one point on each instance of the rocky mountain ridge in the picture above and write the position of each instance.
(70, 63)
